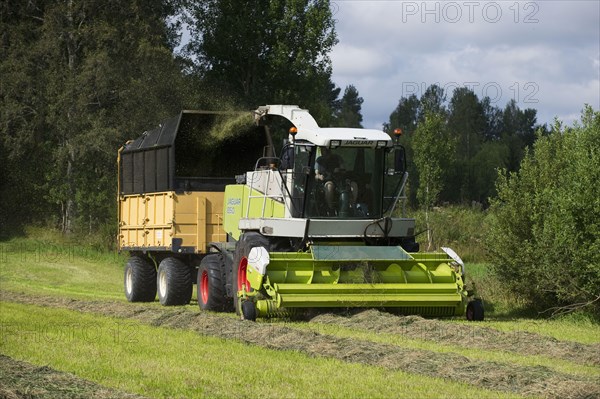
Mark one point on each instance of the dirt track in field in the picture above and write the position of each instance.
(20, 380)
(525, 380)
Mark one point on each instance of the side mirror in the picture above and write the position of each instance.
(287, 156)
(399, 159)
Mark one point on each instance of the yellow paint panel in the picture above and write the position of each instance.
(154, 220)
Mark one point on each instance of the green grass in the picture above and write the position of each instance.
(162, 362)
(48, 265)
(500, 302)
(502, 306)
(476, 271)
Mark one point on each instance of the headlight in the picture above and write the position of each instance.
(381, 143)
(335, 143)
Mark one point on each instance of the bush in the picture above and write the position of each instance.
(544, 226)
(458, 227)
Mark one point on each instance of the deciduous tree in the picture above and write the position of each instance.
(266, 51)
(432, 151)
(79, 77)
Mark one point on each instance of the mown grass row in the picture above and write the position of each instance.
(522, 359)
(163, 362)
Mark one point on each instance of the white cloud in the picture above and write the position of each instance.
(554, 59)
(352, 60)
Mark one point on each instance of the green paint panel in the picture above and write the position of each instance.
(358, 276)
(236, 204)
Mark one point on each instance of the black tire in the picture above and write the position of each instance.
(475, 310)
(249, 311)
(139, 280)
(174, 282)
(242, 249)
(211, 285)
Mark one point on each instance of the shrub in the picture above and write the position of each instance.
(461, 228)
(544, 227)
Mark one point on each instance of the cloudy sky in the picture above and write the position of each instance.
(544, 54)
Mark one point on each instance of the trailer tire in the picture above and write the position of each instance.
(139, 280)
(211, 287)
(475, 310)
(246, 242)
(174, 282)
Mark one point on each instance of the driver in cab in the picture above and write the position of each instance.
(326, 165)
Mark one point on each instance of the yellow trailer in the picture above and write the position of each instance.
(169, 221)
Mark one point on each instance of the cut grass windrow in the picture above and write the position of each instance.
(566, 328)
(524, 359)
(523, 380)
(23, 380)
(163, 362)
(472, 335)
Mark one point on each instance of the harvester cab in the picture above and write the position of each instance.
(324, 175)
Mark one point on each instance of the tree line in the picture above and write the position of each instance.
(544, 224)
(79, 78)
(457, 141)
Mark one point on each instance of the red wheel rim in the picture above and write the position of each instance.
(243, 275)
(204, 287)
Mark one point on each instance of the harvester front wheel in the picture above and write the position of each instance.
(140, 280)
(174, 282)
(211, 288)
(475, 310)
(248, 311)
(240, 264)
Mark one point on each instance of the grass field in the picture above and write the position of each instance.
(63, 313)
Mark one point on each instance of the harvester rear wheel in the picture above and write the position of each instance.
(140, 280)
(211, 287)
(174, 282)
(475, 310)
(240, 263)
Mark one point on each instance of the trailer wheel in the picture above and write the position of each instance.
(211, 287)
(475, 310)
(139, 280)
(174, 282)
(240, 263)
